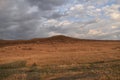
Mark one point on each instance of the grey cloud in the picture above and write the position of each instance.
(26, 23)
(9, 17)
(47, 4)
(55, 15)
(23, 31)
(117, 1)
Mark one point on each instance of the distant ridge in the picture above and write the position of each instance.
(57, 37)
(53, 39)
(60, 36)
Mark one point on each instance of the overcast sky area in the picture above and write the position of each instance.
(84, 19)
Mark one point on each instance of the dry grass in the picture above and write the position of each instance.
(60, 58)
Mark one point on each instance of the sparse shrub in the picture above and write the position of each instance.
(34, 65)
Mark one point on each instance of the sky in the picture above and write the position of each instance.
(84, 19)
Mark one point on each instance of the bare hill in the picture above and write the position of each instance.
(59, 58)
(53, 39)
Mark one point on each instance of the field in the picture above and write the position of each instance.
(59, 58)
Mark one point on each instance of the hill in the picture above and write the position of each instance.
(53, 39)
(59, 58)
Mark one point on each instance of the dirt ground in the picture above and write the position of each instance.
(59, 58)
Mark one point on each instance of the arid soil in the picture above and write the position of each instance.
(59, 58)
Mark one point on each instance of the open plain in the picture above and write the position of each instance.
(59, 58)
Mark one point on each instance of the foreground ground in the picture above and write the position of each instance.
(59, 58)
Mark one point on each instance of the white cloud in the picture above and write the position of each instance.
(95, 32)
(64, 23)
(51, 22)
(114, 27)
(112, 11)
(54, 33)
(115, 16)
(84, 11)
(77, 7)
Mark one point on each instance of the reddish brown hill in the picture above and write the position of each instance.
(53, 39)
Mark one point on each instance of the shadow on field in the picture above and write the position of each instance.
(33, 73)
(6, 70)
(89, 75)
(106, 70)
(11, 68)
(19, 67)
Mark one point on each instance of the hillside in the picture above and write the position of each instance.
(53, 39)
(59, 58)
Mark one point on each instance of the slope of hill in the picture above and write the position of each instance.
(59, 58)
(54, 39)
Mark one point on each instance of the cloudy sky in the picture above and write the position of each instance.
(86, 19)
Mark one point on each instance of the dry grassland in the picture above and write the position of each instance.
(59, 58)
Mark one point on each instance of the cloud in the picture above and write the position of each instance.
(88, 19)
(77, 7)
(94, 2)
(14, 20)
(95, 32)
(115, 16)
(114, 27)
(117, 1)
(47, 4)
(113, 11)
